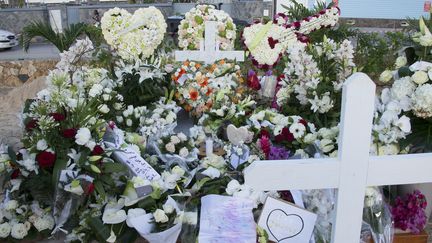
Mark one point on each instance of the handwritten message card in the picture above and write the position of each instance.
(285, 222)
(136, 164)
(226, 219)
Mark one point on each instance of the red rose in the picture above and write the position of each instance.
(97, 150)
(286, 135)
(69, 132)
(297, 25)
(58, 117)
(32, 124)
(90, 189)
(45, 159)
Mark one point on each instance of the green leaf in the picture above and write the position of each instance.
(199, 19)
(99, 188)
(128, 236)
(114, 168)
(101, 231)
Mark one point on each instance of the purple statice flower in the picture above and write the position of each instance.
(409, 213)
(278, 153)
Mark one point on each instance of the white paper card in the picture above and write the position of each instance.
(226, 219)
(287, 223)
(136, 164)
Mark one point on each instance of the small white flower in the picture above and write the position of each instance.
(45, 222)
(297, 129)
(401, 61)
(41, 145)
(182, 137)
(129, 122)
(83, 136)
(175, 140)
(160, 216)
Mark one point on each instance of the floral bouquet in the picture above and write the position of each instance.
(198, 86)
(409, 213)
(191, 28)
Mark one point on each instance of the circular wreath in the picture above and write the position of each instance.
(134, 36)
(191, 28)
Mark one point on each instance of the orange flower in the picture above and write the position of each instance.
(222, 62)
(186, 63)
(197, 65)
(193, 94)
(188, 108)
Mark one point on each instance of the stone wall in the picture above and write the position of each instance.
(14, 20)
(16, 73)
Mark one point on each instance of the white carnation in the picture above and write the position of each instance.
(184, 152)
(420, 77)
(41, 145)
(44, 223)
(83, 136)
(170, 147)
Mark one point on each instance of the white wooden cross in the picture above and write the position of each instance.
(352, 171)
(209, 53)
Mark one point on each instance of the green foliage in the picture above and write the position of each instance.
(421, 135)
(376, 52)
(60, 40)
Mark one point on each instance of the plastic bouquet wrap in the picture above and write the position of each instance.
(377, 218)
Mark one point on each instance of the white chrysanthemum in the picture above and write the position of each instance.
(297, 129)
(420, 77)
(422, 101)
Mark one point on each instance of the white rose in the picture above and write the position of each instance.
(182, 136)
(5, 230)
(168, 208)
(386, 76)
(129, 122)
(83, 136)
(420, 77)
(401, 61)
(170, 147)
(19, 231)
(184, 152)
(41, 145)
(160, 216)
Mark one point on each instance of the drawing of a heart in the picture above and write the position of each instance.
(284, 226)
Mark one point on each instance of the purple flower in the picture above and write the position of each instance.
(409, 213)
(278, 153)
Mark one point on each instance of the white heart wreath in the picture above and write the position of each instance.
(134, 36)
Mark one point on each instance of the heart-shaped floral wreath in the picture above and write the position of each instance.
(134, 36)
